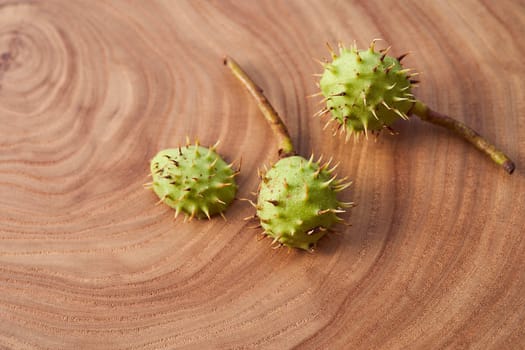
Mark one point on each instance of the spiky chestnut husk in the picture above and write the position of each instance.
(368, 90)
(297, 202)
(297, 198)
(365, 89)
(194, 180)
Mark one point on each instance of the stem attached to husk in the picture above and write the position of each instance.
(428, 115)
(285, 142)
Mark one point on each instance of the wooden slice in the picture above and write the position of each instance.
(91, 90)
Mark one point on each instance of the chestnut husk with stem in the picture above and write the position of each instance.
(385, 97)
(297, 198)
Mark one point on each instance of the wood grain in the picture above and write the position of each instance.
(91, 90)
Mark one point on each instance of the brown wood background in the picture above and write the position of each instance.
(91, 90)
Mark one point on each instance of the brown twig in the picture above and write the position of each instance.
(285, 143)
(428, 115)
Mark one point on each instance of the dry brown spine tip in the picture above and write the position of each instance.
(400, 57)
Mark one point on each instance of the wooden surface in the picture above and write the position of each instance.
(91, 90)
